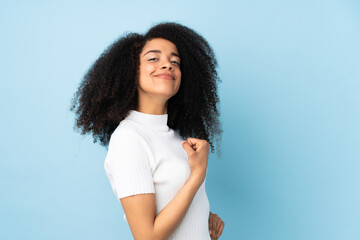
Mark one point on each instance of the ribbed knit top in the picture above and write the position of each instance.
(146, 156)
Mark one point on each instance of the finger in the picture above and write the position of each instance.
(213, 225)
(220, 229)
(210, 222)
(215, 220)
(211, 229)
(194, 142)
(217, 225)
(187, 147)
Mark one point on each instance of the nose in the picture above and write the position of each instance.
(167, 64)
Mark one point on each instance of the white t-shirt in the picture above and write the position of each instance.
(146, 156)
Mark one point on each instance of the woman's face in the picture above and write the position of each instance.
(159, 70)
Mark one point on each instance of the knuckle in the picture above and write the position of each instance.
(204, 142)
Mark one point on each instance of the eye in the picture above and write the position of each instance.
(176, 62)
(151, 59)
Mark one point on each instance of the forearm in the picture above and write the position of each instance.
(170, 217)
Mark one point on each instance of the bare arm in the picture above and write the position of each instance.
(140, 212)
(170, 217)
(140, 209)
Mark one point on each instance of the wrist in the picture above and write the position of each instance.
(197, 177)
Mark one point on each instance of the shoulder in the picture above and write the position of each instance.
(128, 140)
(126, 131)
(127, 127)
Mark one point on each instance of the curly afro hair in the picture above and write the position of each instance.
(108, 90)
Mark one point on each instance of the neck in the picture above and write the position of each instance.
(152, 108)
(155, 104)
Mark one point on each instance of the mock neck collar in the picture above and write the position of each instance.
(155, 122)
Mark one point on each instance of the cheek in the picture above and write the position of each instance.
(145, 72)
(146, 69)
(145, 77)
(178, 83)
(149, 68)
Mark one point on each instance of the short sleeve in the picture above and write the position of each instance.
(128, 164)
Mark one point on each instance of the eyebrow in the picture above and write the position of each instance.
(158, 51)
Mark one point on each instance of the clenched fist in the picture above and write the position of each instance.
(198, 154)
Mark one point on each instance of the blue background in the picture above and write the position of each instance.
(289, 109)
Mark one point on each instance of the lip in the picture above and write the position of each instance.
(165, 76)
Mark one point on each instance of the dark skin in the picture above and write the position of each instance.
(216, 226)
(108, 90)
(154, 92)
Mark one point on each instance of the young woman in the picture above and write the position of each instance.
(141, 98)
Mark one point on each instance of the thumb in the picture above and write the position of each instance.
(187, 147)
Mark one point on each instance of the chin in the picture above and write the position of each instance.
(167, 94)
